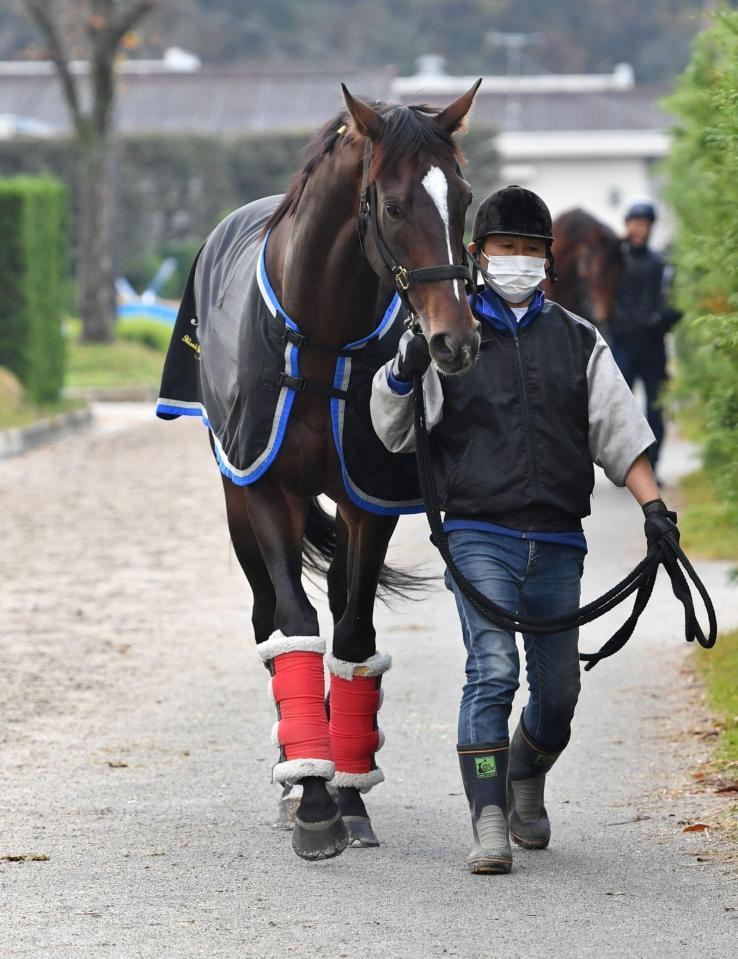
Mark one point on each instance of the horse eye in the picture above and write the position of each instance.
(469, 201)
(393, 210)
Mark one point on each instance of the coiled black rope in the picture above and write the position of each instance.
(640, 580)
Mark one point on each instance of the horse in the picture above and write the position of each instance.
(588, 263)
(395, 171)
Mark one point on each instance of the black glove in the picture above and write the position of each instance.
(413, 357)
(661, 523)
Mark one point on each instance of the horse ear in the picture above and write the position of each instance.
(368, 122)
(453, 116)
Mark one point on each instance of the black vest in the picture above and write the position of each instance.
(512, 447)
(639, 300)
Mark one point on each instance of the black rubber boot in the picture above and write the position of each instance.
(529, 824)
(484, 772)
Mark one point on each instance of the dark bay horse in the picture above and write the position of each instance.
(588, 263)
(337, 293)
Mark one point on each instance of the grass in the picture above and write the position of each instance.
(708, 529)
(26, 413)
(718, 668)
(123, 363)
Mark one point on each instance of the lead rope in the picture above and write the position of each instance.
(640, 580)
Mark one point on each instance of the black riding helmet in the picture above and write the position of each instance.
(513, 210)
(517, 211)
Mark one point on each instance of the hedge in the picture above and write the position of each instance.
(703, 189)
(33, 254)
(172, 190)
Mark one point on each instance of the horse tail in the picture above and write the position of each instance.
(319, 544)
(319, 550)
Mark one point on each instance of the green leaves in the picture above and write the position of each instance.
(703, 189)
(33, 264)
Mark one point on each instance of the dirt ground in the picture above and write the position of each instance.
(135, 749)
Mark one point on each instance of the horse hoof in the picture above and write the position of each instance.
(286, 812)
(361, 834)
(319, 840)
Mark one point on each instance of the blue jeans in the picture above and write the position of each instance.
(530, 578)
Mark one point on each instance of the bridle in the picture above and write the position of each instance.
(402, 278)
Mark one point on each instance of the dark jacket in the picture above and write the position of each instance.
(514, 439)
(640, 307)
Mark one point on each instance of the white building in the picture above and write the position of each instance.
(591, 141)
(579, 140)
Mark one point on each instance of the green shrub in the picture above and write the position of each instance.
(140, 329)
(703, 189)
(33, 215)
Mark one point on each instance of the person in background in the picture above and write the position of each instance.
(641, 316)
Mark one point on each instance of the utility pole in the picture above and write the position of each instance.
(513, 44)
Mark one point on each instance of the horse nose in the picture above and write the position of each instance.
(451, 355)
(445, 350)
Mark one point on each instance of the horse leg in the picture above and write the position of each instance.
(262, 613)
(294, 656)
(356, 670)
(337, 578)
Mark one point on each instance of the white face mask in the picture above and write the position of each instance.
(515, 277)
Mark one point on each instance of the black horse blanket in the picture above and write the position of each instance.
(231, 349)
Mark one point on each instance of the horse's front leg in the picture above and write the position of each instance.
(294, 656)
(356, 670)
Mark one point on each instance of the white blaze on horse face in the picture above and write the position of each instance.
(436, 186)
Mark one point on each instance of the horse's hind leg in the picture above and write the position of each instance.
(294, 656)
(356, 672)
(251, 562)
(262, 612)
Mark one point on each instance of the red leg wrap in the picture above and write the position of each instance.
(298, 686)
(353, 727)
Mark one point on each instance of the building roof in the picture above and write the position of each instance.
(218, 101)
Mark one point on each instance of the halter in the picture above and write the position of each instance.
(402, 278)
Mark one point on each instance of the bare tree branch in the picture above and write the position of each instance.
(40, 13)
(128, 16)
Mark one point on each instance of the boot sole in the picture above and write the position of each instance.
(490, 867)
(526, 843)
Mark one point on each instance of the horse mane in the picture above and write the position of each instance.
(409, 130)
(576, 226)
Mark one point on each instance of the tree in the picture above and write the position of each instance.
(703, 190)
(89, 93)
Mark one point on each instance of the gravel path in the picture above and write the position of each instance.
(136, 755)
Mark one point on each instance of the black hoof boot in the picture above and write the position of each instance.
(529, 823)
(320, 840)
(288, 803)
(484, 772)
(358, 823)
(319, 831)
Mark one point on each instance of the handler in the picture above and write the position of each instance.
(641, 315)
(513, 442)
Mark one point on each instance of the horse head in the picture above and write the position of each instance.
(415, 200)
(589, 263)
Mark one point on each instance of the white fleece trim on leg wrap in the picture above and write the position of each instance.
(374, 666)
(292, 770)
(278, 644)
(361, 781)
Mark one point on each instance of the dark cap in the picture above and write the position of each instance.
(513, 210)
(641, 208)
